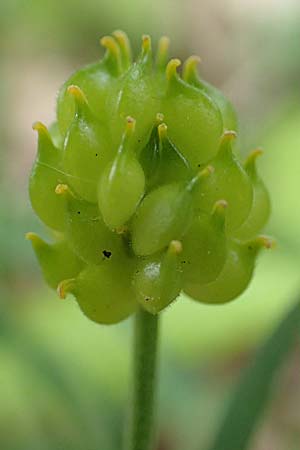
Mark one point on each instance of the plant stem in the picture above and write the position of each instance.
(141, 430)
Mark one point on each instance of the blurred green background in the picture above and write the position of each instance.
(63, 379)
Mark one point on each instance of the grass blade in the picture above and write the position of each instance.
(252, 393)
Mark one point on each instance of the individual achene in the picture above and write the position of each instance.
(141, 184)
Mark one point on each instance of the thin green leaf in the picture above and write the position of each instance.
(251, 396)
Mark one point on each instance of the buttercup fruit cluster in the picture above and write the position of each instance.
(140, 181)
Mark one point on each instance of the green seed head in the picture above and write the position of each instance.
(139, 177)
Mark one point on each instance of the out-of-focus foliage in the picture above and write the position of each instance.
(67, 26)
(282, 168)
(251, 395)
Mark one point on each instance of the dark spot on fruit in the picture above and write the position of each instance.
(183, 262)
(147, 299)
(96, 154)
(78, 212)
(106, 253)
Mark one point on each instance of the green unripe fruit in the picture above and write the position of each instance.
(45, 175)
(123, 177)
(205, 246)
(190, 75)
(231, 182)
(57, 260)
(235, 276)
(140, 203)
(164, 215)
(104, 293)
(194, 120)
(158, 279)
(261, 206)
(138, 87)
(85, 231)
(86, 149)
(161, 160)
(96, 81)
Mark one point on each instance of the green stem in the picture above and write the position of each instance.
(141, 430)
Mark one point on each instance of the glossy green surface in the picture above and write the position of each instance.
(122, 178)
(190, 75)
(86, 148)
(162, 162)
(194, 120)
(57, 260)
(158, 279)
(97, 81)
(165, 214)
(45, 175)
(85, 231)
(235, 276)
(100, 297)
(261, 205)
(205, 246)
(230, 182)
